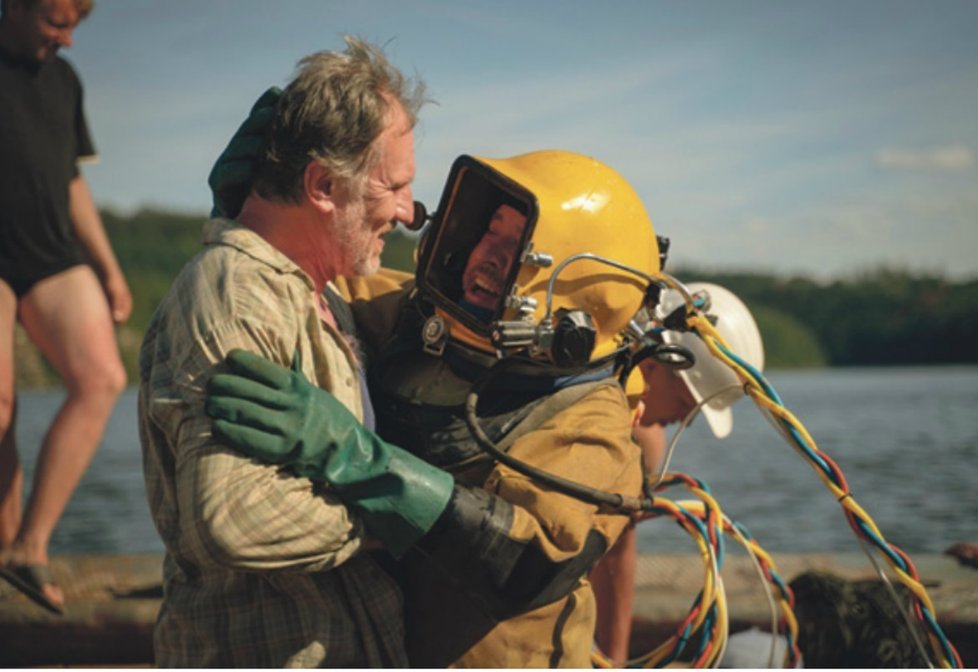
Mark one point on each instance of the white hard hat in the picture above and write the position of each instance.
(710, 378)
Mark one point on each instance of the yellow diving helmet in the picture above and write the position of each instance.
(575, 255)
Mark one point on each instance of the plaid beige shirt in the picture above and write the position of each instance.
(262, 569)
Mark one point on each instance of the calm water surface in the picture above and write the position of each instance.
(905, 438)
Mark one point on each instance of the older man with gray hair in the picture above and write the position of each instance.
(263, 570)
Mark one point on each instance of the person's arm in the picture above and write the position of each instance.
(229, 510)
(613, 581)
(91, 234)
(516, 544)
(279, 417)
(238, 514)
(613, 578)
(512, 544)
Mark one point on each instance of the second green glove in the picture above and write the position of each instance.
(275, 415)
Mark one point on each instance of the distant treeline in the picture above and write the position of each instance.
(876, 318)
(879, 318)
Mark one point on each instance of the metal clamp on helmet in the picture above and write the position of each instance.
(434, 335)
(567, 339)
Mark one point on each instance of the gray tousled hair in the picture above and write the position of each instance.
(332, 112)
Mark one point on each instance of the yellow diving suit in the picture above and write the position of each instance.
(500, 581)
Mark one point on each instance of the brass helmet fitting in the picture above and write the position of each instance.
(583, 257)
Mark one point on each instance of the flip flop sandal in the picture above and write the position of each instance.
(30, 579)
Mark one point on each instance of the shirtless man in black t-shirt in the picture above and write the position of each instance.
(58, 277)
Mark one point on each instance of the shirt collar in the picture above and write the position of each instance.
(220, 231)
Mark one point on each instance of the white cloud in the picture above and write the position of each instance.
(954, 158)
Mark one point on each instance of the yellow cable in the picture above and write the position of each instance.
(751, 545)
(711, 337)
(709, 595)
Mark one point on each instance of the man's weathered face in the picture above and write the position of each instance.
(492, 258)
(44, 29)
(387, 199)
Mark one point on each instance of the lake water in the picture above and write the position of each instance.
(905, 438)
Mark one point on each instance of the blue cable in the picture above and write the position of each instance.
(881, 544)
(773, 395)
(936, 629)
(863, 526)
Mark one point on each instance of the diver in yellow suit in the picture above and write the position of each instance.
(497, 379)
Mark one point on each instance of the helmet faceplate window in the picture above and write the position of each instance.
(587, 247)
(477, 238)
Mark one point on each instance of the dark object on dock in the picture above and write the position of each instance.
(966, 553)
(854, 624)
(667, 584)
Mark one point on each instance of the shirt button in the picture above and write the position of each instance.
(349, 382)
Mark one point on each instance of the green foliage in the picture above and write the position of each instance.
(882, 317)
(788, 343)
(877, 318)
(152, 246)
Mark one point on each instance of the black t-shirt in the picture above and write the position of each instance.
(42, 135)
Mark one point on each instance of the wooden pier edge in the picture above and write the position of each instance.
(112, 603)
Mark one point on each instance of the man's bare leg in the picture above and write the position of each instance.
(11, 474)
(68, 318)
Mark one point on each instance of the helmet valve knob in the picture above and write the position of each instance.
(538, 259)
(524, 304)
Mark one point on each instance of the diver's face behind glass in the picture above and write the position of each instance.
(492, 258)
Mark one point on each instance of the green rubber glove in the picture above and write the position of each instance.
(275, 415)
(230, 178)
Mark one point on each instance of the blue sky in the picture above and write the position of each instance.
(815, 138)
